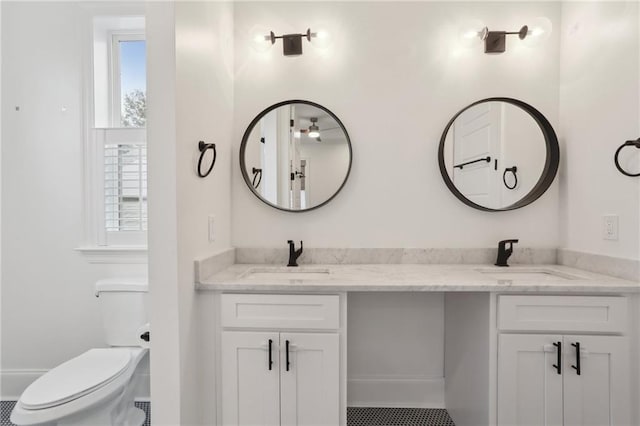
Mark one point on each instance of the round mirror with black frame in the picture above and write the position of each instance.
(295, 156)
(498, 154)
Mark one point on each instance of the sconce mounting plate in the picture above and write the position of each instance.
(292, 44)
(495, 42)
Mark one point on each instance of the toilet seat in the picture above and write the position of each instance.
(77, 377)
(89, 400)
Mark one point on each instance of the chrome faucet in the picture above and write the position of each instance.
(293, 253)
(504, 252)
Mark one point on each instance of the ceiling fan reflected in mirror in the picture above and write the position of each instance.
(313, 132)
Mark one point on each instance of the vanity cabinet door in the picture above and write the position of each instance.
(310, 382)
(599, 395)
(529, 386)
(250, 387)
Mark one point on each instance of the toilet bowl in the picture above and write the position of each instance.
(97, 387)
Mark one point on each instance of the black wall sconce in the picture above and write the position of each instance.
(291, 43)
(496, 41)
(533, 34)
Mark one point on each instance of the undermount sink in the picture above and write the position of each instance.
(286, 274)
(527, 274)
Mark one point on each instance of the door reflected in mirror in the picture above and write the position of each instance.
(498, 154)
(295, 155)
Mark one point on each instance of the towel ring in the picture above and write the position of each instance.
(635, 143)
(513, 170)
(203, 147)
(256, 173)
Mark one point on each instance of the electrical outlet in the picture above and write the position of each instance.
(610, 229)
(212, 228)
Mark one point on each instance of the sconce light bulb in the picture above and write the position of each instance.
(539, 30)
(260, 39)
(322, 34)
(321, 39)
(536, 32)
(469, 34)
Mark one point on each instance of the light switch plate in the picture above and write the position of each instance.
(610, 227)
(212, 228)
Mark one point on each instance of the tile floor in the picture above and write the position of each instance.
(364, 416)
(356, 416)
(7, 406)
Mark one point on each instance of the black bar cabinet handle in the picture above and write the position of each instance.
(577, 366)
(270, 357)
(286, 343)
(558, 365)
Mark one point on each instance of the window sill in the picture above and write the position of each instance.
(114, 254)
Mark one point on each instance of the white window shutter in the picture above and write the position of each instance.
(122, 197)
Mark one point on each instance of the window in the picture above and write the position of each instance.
(125, 163)
(116, 158)
(128, 53)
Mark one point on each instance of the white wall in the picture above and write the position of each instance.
(49, 311)
(600, 109)
(395, 349)
(327, 166)
(204, 105)
(394, 94)
(190, 99)
(163, 232)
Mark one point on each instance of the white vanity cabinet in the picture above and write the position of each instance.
(600, 395)
(250, 389)
(529, 390)
(569, 376)
(309, 380)
(280, 359)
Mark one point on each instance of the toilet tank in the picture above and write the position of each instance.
(123, 303)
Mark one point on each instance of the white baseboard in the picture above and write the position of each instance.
(396, 392)
(14, 382)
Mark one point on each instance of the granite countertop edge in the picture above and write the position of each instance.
(415, 277)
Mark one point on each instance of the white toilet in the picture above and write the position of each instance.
(97, 387)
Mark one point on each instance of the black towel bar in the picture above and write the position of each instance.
(487, 159)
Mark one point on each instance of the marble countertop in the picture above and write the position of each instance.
(409, 277)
